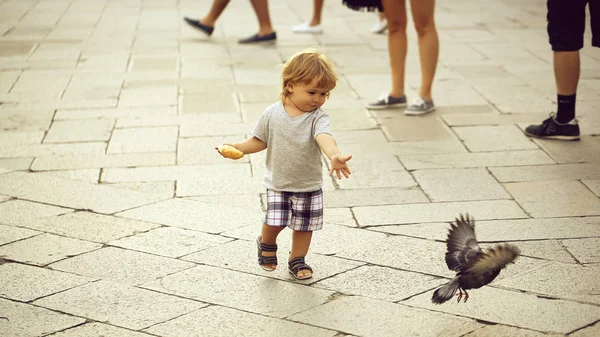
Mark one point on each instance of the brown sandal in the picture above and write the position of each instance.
(264, 260)
(297, 264)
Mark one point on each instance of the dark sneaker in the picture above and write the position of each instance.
(259, 39)
(551, 129)
(419, 106)
(194, 23)
(386, 101)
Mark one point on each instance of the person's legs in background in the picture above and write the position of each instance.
(566, 26)
(395, 13)
(261, 8)
(314, 25)
(207, 23)
(423, 12)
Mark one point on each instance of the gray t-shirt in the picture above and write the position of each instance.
(293, 156)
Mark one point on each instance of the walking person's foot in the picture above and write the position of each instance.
(379, 27)
(259, 39)
(551, 129)
(307, 28)
(387, 101)
(419, 106)
(196, 24)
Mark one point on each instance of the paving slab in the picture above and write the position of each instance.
(117, 113)
(504, 330)
(137, 140)
(89, 175)
(593, 185)
(459, 185)
(380, 283)
(436, 212)
(163, 188)
(45, 163)
(16, 164)
(248, 201)
(195, 215)
(377, 172)
(121, 265)
(516, 309)
(484, 159)
(26, 283)
(544, 199)
(584, 151)
(241, 291)
(492, 119)
(10, 233)
(31, 137)
(170, 242)
(546, 172)
(221, 321)
(35, 150)
(21, 320)
(119, 304)
(584, 250)
(589, 331)
(19, 212)
(74, 194)
(96, 329)
(90, 226)
(161, 173)
(559, 280)
(494, 138)
(385, 319)
(79, 131)
(44, 249)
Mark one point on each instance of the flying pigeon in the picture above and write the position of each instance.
(475, 268)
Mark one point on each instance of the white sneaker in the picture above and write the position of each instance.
(304, 28)
(379, 27)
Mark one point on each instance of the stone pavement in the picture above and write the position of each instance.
(117, 217)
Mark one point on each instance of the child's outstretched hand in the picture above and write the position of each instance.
(338, 164)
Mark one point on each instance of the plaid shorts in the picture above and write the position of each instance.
(300, 211)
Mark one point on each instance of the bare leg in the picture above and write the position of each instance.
(261, 9)
(381, 16)
(269, 236)
(217, 7)
(566, 72)
(423, 16)
(300, 245)
(317, 11)
(466, 297)
(395, 13)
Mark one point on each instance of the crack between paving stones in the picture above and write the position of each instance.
(583, 327)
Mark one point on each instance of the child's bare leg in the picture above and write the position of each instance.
(269, 236)
(300, 245)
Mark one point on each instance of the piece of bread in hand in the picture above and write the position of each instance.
(230, 152)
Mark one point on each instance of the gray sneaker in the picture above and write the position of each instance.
(419, 107)
(386, 101)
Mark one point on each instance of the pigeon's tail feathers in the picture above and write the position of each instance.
(445, 292)
(462, 246)
(494, 258)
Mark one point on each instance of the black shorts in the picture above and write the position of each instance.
(566, 23)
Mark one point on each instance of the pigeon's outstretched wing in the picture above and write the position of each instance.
(462, 246)
(493, 259)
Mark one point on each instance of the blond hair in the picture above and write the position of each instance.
(305, 67)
